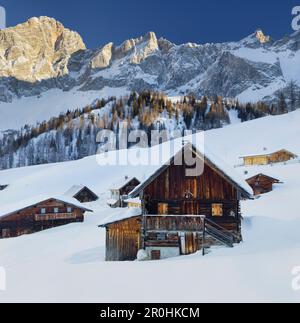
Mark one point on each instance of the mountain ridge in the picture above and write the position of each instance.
(252, 69)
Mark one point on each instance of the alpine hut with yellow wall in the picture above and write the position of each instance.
(279, 156)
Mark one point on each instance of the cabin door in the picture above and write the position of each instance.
(189, 243)
(5, 233)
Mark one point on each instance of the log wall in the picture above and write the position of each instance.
(31, 220)
(123, 240)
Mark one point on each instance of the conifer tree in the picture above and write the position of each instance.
(282, 105)
(292, 95)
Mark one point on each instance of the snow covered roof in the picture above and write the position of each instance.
(270, 153)
(120, 184)
(9, 209)
(275, 180)
(199, 147)
(121, 214)
(112, 201)
(74, 190)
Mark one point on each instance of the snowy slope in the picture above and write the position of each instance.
(30, 110)
(67, 263)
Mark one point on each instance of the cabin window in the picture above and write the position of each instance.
(163, 208)
(217, 209)
(161, 237)
(69, 210)
(56, 210)
(43, 211)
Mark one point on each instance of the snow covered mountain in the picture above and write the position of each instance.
(41, 55)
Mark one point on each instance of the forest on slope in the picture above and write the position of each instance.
(73, 135)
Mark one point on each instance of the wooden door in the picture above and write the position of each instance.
(155, 255)
(5, 233)
(189, 243)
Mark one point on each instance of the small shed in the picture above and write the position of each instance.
(279, 156)
(82, 194)
(38, 214)
(123, 234)
(262, 183)
(120, 191)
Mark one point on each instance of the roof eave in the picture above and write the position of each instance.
(117, 221)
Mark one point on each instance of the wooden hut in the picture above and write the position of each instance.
(82, 194)
(120, 191)
(39, 214)
(279, 156)
(262, 183)
(179, 213)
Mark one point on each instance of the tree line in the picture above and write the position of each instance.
(72, 135)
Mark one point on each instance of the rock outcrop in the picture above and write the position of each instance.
(37, 49)
(42, 54)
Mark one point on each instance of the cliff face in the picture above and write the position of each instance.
(41, 54)
(37, 49)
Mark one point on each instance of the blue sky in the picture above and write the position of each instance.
(200, 21)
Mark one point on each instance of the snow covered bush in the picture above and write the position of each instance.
(142, 255)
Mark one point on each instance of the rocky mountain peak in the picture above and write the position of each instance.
(165, 45)
(42, 49)
(256, 39)
(139, 48)
(103, 57)
(38, 49)
(261, 37)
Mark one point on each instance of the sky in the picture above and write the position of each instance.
(180, 21)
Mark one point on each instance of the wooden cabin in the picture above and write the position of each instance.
(279, 156)
(82, 194)
(120, 191)
(179, 214)
(262, 183)
(38, 215)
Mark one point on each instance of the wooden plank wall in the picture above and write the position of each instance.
(172, 184)
(123, 240)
